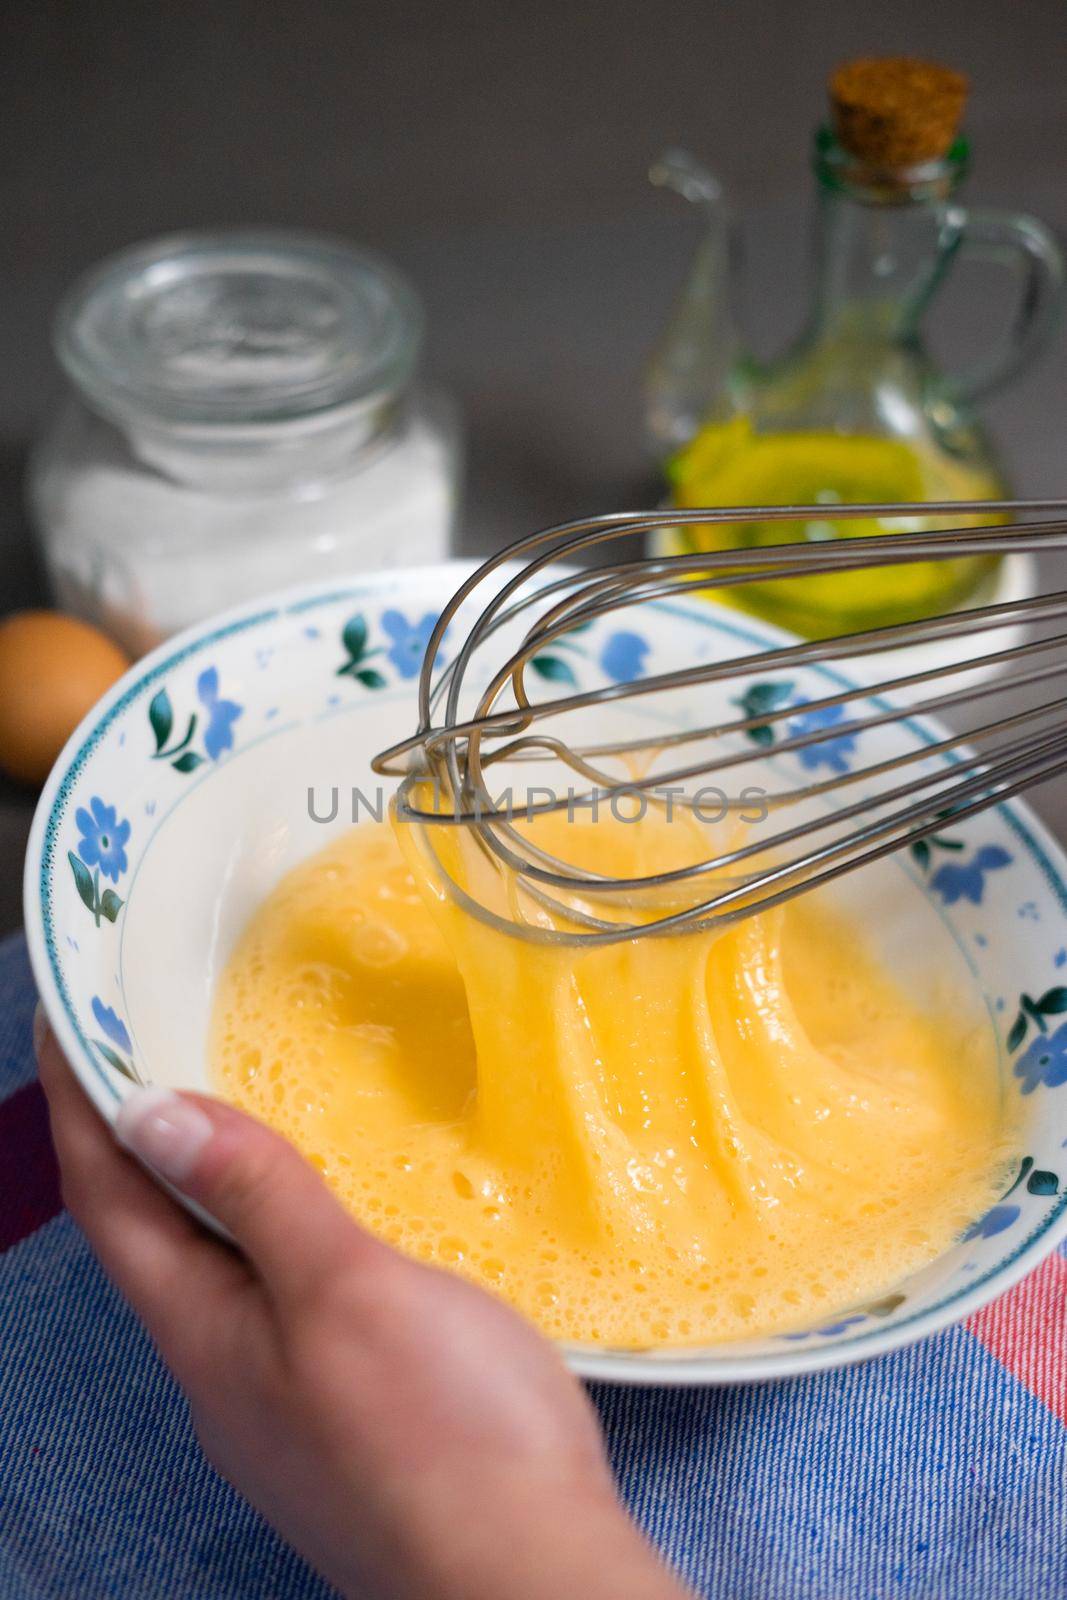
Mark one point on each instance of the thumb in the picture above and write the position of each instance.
(271, 1202)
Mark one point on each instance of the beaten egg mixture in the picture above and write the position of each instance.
(664, 1141)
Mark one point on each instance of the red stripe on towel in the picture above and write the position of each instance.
(1026, 1330)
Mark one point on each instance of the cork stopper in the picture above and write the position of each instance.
(893, 111)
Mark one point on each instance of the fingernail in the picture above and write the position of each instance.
(163, 1129)
(40, 1028)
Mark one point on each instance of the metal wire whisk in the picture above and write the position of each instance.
(476, 714)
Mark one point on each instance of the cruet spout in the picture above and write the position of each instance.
(689, 377)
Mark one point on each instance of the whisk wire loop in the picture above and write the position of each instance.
(478, 714)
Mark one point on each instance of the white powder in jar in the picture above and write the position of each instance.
(243, 417)
(144, 554)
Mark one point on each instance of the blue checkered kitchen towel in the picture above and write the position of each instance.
(939, 1472)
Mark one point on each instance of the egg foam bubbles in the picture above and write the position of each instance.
(666, 1141)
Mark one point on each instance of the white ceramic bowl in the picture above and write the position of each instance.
(184, 797)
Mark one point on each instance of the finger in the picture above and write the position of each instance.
(178, 1280)
(255, 1183)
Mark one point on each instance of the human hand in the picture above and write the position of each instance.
(409, 1434)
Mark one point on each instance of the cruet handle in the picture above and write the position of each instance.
(1031, 253)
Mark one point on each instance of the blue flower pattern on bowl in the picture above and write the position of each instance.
(957, 880)
(994, 1222)
(1001, 1216)
(111, 1023)
(215, 720)
(966, 880)
(409, 640)
(101, 852)
(772, 700)
(117, 1039)
(622, 657)
(103, 838)
(407, 647)
(1044, 1061)
(833, 752)
(221, 714)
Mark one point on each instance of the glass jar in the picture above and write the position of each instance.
(243, 416)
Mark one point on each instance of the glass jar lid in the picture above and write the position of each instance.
(238, 328)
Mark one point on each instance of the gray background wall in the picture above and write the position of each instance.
(498, 152)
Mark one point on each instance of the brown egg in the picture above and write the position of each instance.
(52, 670)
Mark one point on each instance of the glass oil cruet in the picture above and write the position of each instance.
(855, 410)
